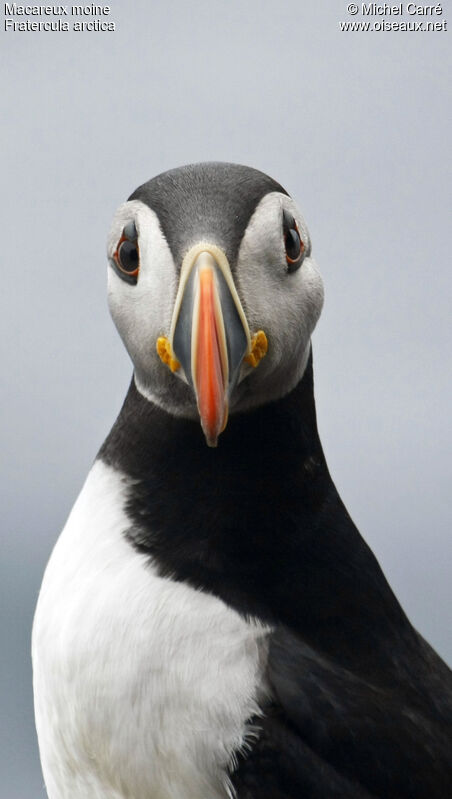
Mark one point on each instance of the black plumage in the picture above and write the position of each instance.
(362, 706)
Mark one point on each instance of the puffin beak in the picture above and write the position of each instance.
(209, 335)
(209, 354)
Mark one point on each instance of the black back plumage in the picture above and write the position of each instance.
(362, 706)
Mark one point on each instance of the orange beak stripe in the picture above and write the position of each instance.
(209, 356)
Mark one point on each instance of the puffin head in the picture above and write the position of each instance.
(214, 291)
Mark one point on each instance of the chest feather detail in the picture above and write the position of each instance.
(143, 685)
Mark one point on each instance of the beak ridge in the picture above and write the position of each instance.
(209, 355)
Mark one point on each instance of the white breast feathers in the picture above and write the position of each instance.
(143, 685)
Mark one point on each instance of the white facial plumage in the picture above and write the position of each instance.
(285, 305)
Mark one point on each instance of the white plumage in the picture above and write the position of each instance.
(143, 685)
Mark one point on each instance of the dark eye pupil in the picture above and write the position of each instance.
(293, 244)
(128, 256)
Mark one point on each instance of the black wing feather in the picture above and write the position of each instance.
(393, 740)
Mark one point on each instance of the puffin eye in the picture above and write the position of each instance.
(126, 259)
(293, 244)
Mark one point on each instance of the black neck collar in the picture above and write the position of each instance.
(256, 521)
(281, 433)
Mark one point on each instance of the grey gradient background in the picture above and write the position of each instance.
(357, 128)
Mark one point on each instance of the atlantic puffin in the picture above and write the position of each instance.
(211, 624)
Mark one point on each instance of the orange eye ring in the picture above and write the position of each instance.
(117, 256)
(126, 258)
(294, 245)
(301, 242)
